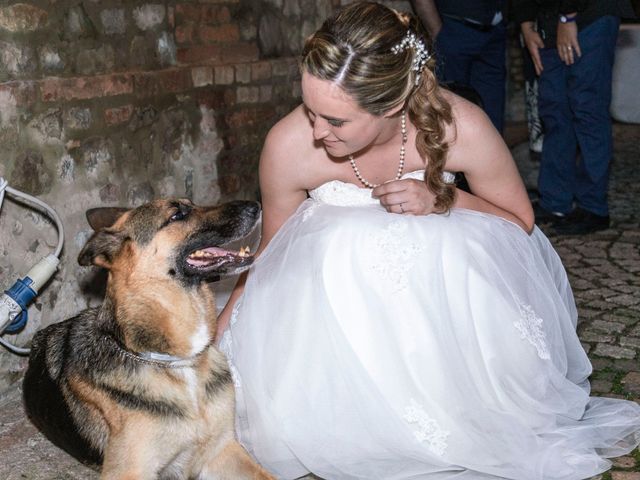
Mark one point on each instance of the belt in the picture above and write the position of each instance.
(481, 27)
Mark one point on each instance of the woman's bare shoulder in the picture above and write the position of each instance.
(472, 135)
(470, 122)
(289, 130)
(288, 143)
(465, 113)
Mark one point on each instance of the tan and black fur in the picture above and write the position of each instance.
(93, 388)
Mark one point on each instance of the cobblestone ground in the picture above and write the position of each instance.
(604, 270)
(605, 274)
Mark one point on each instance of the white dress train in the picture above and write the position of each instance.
(371, 345)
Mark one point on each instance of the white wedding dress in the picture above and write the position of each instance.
(371, 345)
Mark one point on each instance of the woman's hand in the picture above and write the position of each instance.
(406, 196)
(568, 45)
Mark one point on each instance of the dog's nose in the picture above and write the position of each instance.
(245, 206)
(254, 207)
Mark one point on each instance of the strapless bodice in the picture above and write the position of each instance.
(337, 192)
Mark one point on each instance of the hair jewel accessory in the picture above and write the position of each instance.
(420, 53)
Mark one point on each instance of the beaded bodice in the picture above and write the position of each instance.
(341, 193)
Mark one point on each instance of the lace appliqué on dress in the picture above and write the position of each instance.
(427, 429)
(393, 255)
(343, 194)
(530, 327)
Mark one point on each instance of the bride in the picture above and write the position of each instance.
(394, 327)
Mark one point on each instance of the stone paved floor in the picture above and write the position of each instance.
(605, 273)
(604, 270)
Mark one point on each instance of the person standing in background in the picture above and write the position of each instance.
(573, 51)
(534, 124)
(470, 42)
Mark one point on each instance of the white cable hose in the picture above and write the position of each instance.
(5, 315)
(13, 348)
(3, 185)
(30, 201)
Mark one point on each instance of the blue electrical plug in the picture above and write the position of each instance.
(24, 291)
(21, 293)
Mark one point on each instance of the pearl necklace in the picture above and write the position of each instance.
(403, 130)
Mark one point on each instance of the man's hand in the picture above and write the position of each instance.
(534, 43)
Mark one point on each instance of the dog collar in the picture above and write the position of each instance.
(170, 361)
(155, 358)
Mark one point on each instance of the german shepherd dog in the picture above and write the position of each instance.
(136, 385)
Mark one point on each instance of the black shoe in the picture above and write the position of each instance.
(581, 222)
(545, 217)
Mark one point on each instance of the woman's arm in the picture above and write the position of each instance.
(473, 202)
(477, 150)
(281, 194)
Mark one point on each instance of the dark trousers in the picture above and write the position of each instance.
(574, 107)
(475, 57)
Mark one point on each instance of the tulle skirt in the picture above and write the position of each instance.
(369, 345)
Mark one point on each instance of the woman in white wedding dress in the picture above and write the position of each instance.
(394, 327)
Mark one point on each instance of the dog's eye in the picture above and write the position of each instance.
(181, 212)
(179, 215)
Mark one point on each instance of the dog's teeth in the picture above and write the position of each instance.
(244, 252)
(199, 254)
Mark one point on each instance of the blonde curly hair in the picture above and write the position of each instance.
(353, 50)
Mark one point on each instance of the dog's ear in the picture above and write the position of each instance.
(101, 248)
(104, 217)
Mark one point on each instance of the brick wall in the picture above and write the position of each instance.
(107, 102)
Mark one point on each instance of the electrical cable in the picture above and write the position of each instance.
(13, 348)
(3, 185)
(34, 201)
(13, 304)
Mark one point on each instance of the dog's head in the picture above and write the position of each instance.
(171, 238)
